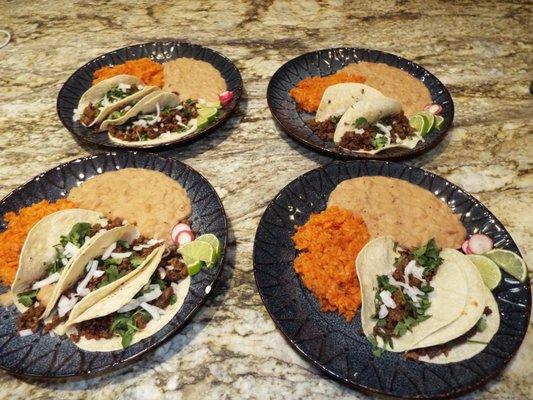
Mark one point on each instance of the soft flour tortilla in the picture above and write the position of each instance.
(120, 297)
(447, 301)
(394, 207)
(338, 98)
(133, 111)
(475, 304)
(96, 92)
(163, 99)
(38, 251)
(151, 200)
(467, 350)
(371, 107)
(95, 250)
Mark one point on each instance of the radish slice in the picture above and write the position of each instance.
(480, 243)
(435, 109)
(184, 237)
(465, 248)
(177, 229)
(225, 98)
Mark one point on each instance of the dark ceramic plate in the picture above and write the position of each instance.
(328, 61)
(336, 347)
(80, 81)
(47, 357)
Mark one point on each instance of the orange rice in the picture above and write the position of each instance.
(18, 226)
(150, 72)
(309, 91)
(329, 243)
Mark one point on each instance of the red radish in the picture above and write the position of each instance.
(479, 243)
(184, 237)
(465, 248)
(435, 109)
(175, 231)
(225, 98)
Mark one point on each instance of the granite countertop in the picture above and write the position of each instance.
(231, 349)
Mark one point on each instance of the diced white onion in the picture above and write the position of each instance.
(132, 305)
(162, 272)
(124, 87)
(64, 261)
(386, 298)
(385, 129)
(413, 269)
(150, 296)
(65, 304)
(174, 287)
(25, 332)
(70, 250)
(120, 256)
(82, 287)
(108, 251)
(154, 311)
(46, 281)
(103, 223)
(98, 273)
(151, 242)
(383, 311)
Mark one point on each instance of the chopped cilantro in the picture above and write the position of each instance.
(173, 299)
(428, 257)
(376, 351)
(360, 122)
(136, 261)
(124, 244)
(28, 298)
(124, 325)
(481, 324)
(111, 275)
(77, 234)
(379, 141)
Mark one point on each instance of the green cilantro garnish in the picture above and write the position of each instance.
(28, 298)
(428, 257)
(481, 324)
(360, 122)
(77, 234)
(379, 141)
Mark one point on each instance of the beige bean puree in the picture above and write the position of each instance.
(149, 199)
(193, 79)
(393, 207)
(394, 83)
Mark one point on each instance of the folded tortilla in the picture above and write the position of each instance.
(121, 296)
(160, 99)
(448, 300)
(95, 93)
(338, 98)
(38, 251)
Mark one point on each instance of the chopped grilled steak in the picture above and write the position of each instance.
(400, 127)
(97, 328)
(29, 319)
(56, 320)
(325, 130)
(139, 321)
(359, 141)
(75, 337)
(89, 114)
(164, 300)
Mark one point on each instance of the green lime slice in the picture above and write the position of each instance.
(195, 267)
(209, 113)
(198, 250)
(215, 104)
(488, 269)
(188, 260)
(439, 122)
(430, 122)
(417, 122)
(510, 262)
(213, 241)
(201, 122)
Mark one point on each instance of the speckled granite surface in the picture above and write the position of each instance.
(482, 52)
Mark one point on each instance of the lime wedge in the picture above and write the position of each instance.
(208, 113)
(201, 122)
(489, 270)
(439, 122)
(417, 122)
(215, 104)
(213, 241)
(195, 267)
(430, 122)
(198, 251)
(510, 262)
(188, 260)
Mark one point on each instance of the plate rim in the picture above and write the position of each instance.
(185, 321)
(361, 387)
(333, 153)
(110, 146)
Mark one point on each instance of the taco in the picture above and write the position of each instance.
(408, 295)
(49, 250)
(338, 98)
(374, 123)
(159, 119)
(107, 96)
(136, 309)
(110, 260)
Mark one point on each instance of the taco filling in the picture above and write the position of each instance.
(403, 295)
(147, 304)
(164, 122)
(40, 293)
(112, 96)
(374, 136)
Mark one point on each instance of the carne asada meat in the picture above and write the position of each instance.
(325, 130)
(29, 319)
